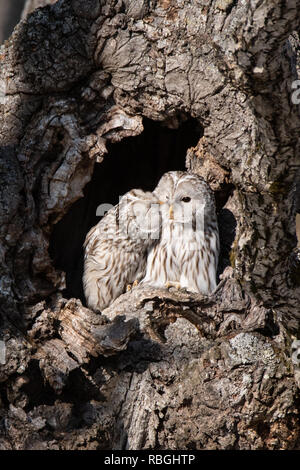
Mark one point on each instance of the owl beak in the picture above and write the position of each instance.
(171, 213)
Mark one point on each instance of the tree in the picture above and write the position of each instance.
(77, 77)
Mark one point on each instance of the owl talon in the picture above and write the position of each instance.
(129, 287)
(170, 284)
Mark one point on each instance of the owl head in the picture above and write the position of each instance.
(187, 199)
(139, 215)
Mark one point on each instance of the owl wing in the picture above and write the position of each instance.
(99, 256)
(115, 252)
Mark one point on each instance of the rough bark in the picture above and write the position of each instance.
(158, 369)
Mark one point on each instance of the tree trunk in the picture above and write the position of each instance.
(99, 97)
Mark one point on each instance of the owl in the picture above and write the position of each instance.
(165, 238)
(186, 254)
(115, 250)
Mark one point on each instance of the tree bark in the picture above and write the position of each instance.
(158, 369)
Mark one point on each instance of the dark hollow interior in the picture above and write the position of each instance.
(135, 162)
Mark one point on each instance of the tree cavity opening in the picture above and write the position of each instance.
(135, 162)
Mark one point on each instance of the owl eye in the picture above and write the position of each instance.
(186, 199)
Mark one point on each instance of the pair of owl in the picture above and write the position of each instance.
(165, 238)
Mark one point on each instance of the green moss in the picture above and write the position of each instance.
(249, 160)
(232, 258)
(232, 254)
(278, 187)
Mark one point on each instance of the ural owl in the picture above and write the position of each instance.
(116, 248)
(165, 238)
(186, 255)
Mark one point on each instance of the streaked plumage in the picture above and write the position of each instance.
(116, 248)
(188, 249)
(168, 237)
